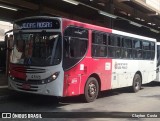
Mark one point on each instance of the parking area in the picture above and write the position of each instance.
(112, 101)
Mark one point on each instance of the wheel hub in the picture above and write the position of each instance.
(137, 84)
(92, 89)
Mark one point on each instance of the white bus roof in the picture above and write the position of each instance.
(35, 17)
(158, 43)
(132, 35)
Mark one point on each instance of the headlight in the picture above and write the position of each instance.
(55, 75)
(51, 78)
(11, 77)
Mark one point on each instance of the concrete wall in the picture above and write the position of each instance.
(4, 27)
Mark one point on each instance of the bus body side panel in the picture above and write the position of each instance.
(76, 77)
(124, 71)
(148, 69)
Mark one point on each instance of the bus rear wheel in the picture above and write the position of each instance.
(91, 90)
(137, 82)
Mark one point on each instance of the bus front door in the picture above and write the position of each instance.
(158, 71)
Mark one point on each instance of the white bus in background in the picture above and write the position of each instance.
(158, 62)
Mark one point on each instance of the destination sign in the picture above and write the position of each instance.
(37, 24)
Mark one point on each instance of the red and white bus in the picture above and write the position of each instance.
(62, 57)
(158, 63)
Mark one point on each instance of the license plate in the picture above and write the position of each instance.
(26, 86)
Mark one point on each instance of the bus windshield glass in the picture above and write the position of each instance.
(36, 49)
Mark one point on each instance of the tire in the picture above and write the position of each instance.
(137, 82)
(91, 90)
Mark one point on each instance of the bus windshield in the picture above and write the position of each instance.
(36, 49)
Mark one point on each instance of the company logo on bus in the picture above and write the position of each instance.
(116, 65)
(121, 65)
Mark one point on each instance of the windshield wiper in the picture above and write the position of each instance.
(54, 49)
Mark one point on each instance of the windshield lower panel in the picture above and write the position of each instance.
(36, 49)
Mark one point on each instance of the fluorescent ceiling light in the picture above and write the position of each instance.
(135, 24)
(102, 4)
(107, 14)
(72, 2)
(152, 24)
(122, 12)
(123, 0)
(9, 8)
(153, 14)
(138, 18)
(153, 30)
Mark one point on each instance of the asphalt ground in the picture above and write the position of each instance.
(111, 101)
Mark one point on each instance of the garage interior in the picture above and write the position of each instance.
(125, 15)
(133, 16)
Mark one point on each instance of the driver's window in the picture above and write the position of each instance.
(75, 42)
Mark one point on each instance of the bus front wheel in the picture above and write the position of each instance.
(91, 90)
(137, 82)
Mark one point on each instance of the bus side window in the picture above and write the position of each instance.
(99, 44)
(137, 49)
(75, 45)
(158, 51)
(153, 50)
(69, 47)
(75, 42)
(111, 49)
(66, 46)
(124, 50)
(146, 50)
(127, 48)
(118, 47)
(139, 54)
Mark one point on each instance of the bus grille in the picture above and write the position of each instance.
(28, 70)
(28, 89)
(35, 82)
(32, 88)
